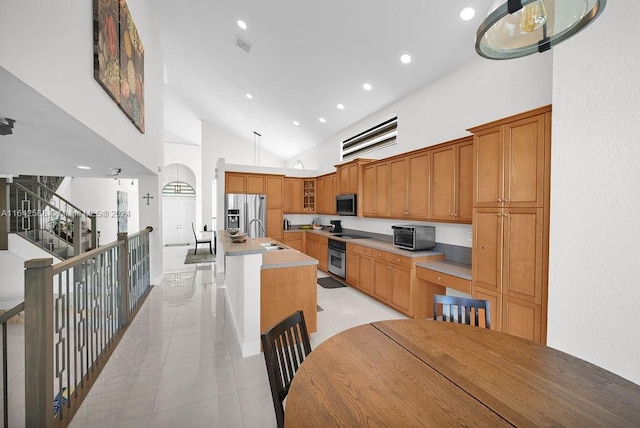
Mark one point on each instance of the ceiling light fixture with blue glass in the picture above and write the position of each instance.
(516, 28)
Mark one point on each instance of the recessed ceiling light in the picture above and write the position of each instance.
(249, 96)
(296, 123)
(467, 13)
(340, 106)
(322, 119)
(242, 24)
(405, 58)
(83, 167)
(367, 87)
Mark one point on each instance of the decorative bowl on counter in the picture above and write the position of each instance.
(304, 227)
(231, 231)
(317, 226)
(240, 237)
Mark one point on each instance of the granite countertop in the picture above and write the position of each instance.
(272, 259)
(461, 270)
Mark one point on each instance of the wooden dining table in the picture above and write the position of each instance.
(427, 373)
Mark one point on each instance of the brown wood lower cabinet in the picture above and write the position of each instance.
(352, 266)
(365, 273)
(521, 318)
(274, 223)
(317, 246)
(294, 240)
(400, 282)
(286, 290)
(495, 305)
(390, 278)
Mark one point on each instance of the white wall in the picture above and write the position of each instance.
(99, 195)
(594, 267)
(49, 45)
(12, 280)
(12, 268)
(181, 125)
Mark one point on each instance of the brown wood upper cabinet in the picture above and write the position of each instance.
(286, 195)
(296, 195)
(274, 185)
(397, 187)
(326, 188)
(452, 181)
(239, 182)
(349, 176)
(375, 190)
(509, 161)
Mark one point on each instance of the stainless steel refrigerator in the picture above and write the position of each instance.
(247, 213)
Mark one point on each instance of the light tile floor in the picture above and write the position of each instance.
(179, 363)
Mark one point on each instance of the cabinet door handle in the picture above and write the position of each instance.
(498, 214)
(439, 278)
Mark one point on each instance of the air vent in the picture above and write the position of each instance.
(243, 44)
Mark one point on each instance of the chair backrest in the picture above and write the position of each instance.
(470, 307)
(194, 231)
(285, 346)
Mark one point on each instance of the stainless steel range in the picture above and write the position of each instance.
(337, 261)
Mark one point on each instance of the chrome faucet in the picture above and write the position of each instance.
(260, 223)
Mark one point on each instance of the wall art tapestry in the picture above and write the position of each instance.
(119, 57)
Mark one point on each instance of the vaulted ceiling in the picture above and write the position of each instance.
(305, 58)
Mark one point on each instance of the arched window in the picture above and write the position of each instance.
(178, 188)
(298, 164)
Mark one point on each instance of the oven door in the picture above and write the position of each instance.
(337, 263)
(404, 239)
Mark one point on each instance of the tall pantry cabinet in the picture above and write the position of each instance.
(511, 169)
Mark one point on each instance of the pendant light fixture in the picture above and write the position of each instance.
(516, 28)
(256, 148)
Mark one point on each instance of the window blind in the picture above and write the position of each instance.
(375, 138)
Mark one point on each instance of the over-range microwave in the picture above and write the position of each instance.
(347, 204)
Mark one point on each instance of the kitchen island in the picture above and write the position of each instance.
(266, 281)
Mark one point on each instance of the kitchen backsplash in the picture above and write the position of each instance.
(446, 233)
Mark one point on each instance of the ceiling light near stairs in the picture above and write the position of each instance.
(242, 24)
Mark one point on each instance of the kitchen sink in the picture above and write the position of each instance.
(272, 246)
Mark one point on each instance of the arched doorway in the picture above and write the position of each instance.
(178, 204)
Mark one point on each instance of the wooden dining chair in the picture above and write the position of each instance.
(285, 346)
(469, 306)
(200, 241)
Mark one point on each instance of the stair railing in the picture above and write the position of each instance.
(52, 225)
(4, 319)
(76, 312)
